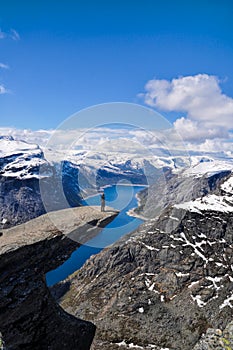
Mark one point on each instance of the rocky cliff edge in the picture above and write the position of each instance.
(30, 318)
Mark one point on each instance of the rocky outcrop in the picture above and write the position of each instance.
(30, 318)
(19, 186)
(24, 171)
(175, 188)
(162, 286)
(20, 200)
(216, 339)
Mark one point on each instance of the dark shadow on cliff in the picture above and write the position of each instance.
(60, 289)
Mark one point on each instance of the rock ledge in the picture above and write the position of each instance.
(30, 318)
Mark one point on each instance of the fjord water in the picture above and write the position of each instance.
(120, 197)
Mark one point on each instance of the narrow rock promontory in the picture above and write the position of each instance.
(30, 318)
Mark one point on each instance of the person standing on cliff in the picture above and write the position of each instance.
(102, 202)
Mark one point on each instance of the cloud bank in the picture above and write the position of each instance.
(207, 111)
(119, 140)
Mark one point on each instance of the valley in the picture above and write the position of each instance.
(164, 280)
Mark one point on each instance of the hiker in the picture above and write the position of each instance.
(102, 202)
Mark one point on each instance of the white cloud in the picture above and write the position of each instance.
(14, 34)
(39, 137)
(2, 90)
(199, 96)
(4, 66)
(193, 130)
(67, 139)
(139, 142)
(212, 146)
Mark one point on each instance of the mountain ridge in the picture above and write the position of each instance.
(25, 168)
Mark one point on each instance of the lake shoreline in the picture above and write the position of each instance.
(131, 212)
(123, 201)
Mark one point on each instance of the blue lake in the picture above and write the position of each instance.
(121, 197)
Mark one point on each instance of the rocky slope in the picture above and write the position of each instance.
(187, 185)
(166, 284)
(19, 186)
(30, 318)
(23, 169)
(216, 339)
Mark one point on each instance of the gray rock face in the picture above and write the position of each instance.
(20, 200)
(19, 186)
(162, 286)
(173, 189)
(23, 169)
(30, 318)
(216, 339)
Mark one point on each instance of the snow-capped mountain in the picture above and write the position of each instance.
(19, 159)
(183, 187)
(20, 177)
(209, 165)
(19, 187)
(219, 202)
(22, 160)
(25, 167)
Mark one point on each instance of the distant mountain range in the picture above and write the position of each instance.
(34, 180)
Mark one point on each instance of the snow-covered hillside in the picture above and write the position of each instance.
(209, 165)
(222, 202)
(22, 160)
(19, 159)
(20, 176)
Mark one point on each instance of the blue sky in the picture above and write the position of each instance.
(58, 57)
